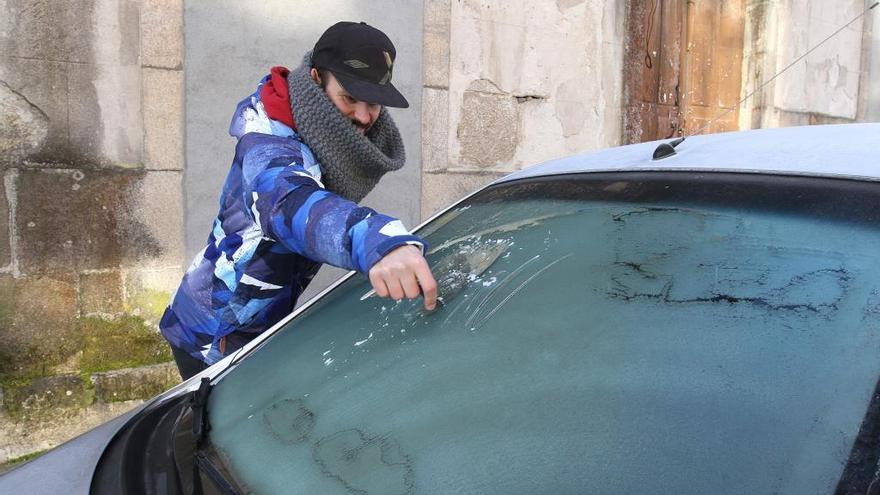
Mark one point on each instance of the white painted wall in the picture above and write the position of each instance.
(827, 80)
(567, 53)
(872, 110)
(830, 84)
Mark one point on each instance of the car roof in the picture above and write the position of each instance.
(844, 150)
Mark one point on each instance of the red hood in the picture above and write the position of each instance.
(276, 98)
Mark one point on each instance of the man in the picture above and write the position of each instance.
(312, 143)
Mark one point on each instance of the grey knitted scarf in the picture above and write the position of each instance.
(351, 163)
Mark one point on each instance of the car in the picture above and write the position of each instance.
(704, 322)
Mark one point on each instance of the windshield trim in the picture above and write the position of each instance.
(692, 169)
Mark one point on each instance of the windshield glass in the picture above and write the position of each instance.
(596, 335)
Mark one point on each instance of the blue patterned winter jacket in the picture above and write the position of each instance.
(276, 226)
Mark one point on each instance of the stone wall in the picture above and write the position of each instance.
(830, 85)
(513, 83)
(91, 154)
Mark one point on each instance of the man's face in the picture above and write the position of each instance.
(362, 114)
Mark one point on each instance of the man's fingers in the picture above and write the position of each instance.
(404, 272)
(410, 286)
(394, 289)
(428, 284)
(386, 281)
(378, 284)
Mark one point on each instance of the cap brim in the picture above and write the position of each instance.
(383, 94)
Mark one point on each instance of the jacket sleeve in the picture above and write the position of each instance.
(292, 208)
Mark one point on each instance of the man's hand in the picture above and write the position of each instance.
(401, 273)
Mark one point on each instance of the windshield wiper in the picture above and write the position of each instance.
(199, 406)
(197, 451)
(861, 475)
(204, 465)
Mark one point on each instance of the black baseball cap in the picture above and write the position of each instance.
(362, 58)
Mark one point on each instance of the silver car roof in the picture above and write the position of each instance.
(846, 150)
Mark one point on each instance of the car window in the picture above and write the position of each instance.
(592, 338)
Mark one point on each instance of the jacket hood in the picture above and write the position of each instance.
(266, 110)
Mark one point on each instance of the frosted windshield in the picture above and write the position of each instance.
(582, 346)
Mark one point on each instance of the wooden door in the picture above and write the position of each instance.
(682, 68)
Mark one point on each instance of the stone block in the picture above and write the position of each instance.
(157, 206)
(163, 119)
(73, 220)
(126, 24)
(437, 12)
(440, 190)
(162, 33)
(435, 129)
(100, 293)
(105, 115)
(5, 231)
(488, 131)
(48, 29)
(7, 311)
(71, 364)
(781, 118)
(45, 394)
(135, 383)
(435, 56)
(125, 342)
(84, 117)
(36, 323)
(818, 119)
(159, 279)
(571, 107)
(23, 126)
(44, 86)
(148, 291)
(827, 80)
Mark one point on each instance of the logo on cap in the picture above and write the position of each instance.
(390, 64)
(357, 64)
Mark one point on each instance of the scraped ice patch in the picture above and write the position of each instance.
(289, 421)
(490, 282)
(362, 342)
(365, 464)
(328, 361)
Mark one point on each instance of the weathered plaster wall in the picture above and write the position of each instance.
(512, 83)
(91, 157)
(830, 85)
(871, 65)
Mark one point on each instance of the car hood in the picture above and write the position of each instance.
(67, 468)
(70, 467)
